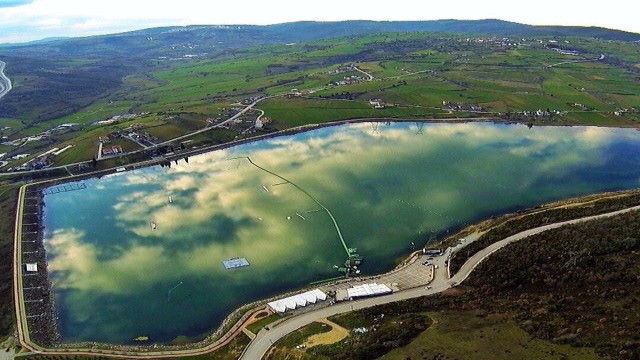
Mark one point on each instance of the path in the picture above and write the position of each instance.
(337, 333)
(600, 58)
(265, 338)
(5, 82)
(364, 72)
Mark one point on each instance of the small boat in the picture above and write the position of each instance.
(170, 199)
(153, 226)
(265, 188)
(141, 338)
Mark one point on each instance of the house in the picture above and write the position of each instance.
(112, 150)
(32, 267)
(261, 122)
(376, 103)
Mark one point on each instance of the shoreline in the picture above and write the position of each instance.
(277, 133)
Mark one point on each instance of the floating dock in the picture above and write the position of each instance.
(236, 262)
(64, 188)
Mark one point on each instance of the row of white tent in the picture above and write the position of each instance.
(297, 301)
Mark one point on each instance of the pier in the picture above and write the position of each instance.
(64, 188)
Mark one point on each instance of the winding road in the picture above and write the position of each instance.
(363, 72)
(5, 82)
(600, 58)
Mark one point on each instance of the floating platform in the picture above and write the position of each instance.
(64, 188)
(233, 263)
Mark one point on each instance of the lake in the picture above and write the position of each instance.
(140, 253)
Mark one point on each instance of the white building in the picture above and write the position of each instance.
(364, 290)
(32, 267)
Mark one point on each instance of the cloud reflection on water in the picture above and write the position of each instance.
(386, 189)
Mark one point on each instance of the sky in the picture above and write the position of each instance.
(26, 20)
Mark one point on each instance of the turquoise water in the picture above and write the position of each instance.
(116, 278)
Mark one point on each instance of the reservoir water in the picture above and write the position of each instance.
(140, 253)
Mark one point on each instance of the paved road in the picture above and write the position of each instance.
(265, 338)
(600, 58)
(5, 82)
(364, 72)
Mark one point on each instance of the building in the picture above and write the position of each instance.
(112, 150)
(260, 122)
(364, 290)
(297, 301)
(432, 252)
(376, 103)
(32, 267)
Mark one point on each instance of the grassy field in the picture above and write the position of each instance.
(258, 325)
(287, 113)
(8, 201)
(471, 335)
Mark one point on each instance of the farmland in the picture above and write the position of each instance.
(564, 80)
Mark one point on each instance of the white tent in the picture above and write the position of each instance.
(319, 295)
(297, 301)
(372, 289)
(310, 297)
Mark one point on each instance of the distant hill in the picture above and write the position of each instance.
(315, 30)
(157, 41)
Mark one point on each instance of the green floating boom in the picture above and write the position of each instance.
(351, 252)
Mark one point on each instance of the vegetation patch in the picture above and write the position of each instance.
(8, 202)
(262, 322)
(521, 223)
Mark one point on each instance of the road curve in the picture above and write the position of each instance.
(265, 338)
(5, 82)
(364, 72)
